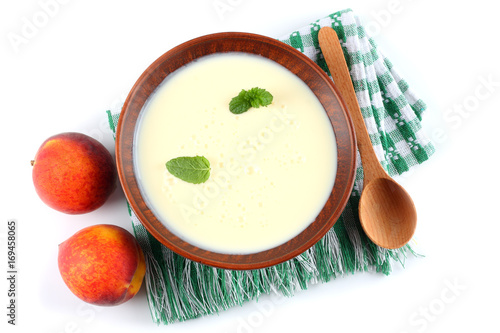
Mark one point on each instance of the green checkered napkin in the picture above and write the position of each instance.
(179, 289)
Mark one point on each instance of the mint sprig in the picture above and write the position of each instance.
(255, 97)
(195, 170)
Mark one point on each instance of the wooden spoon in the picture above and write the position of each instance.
(386, 211)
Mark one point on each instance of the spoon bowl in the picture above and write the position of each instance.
(386, 211)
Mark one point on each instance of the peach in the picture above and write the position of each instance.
(102, 264)
(73, 173)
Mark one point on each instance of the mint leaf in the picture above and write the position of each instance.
(239, 104)
(255, 97)
(259, 97)
(195, 170)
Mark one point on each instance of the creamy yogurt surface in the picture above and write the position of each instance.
(272, 168)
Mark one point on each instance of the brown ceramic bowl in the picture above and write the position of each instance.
(296, 62)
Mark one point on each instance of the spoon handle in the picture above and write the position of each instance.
(334, 56)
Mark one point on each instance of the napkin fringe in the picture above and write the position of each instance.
(180, 289)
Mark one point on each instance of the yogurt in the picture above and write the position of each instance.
(272, 168)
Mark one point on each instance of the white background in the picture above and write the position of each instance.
(85, 57)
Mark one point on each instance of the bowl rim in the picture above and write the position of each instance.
(279, 52)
